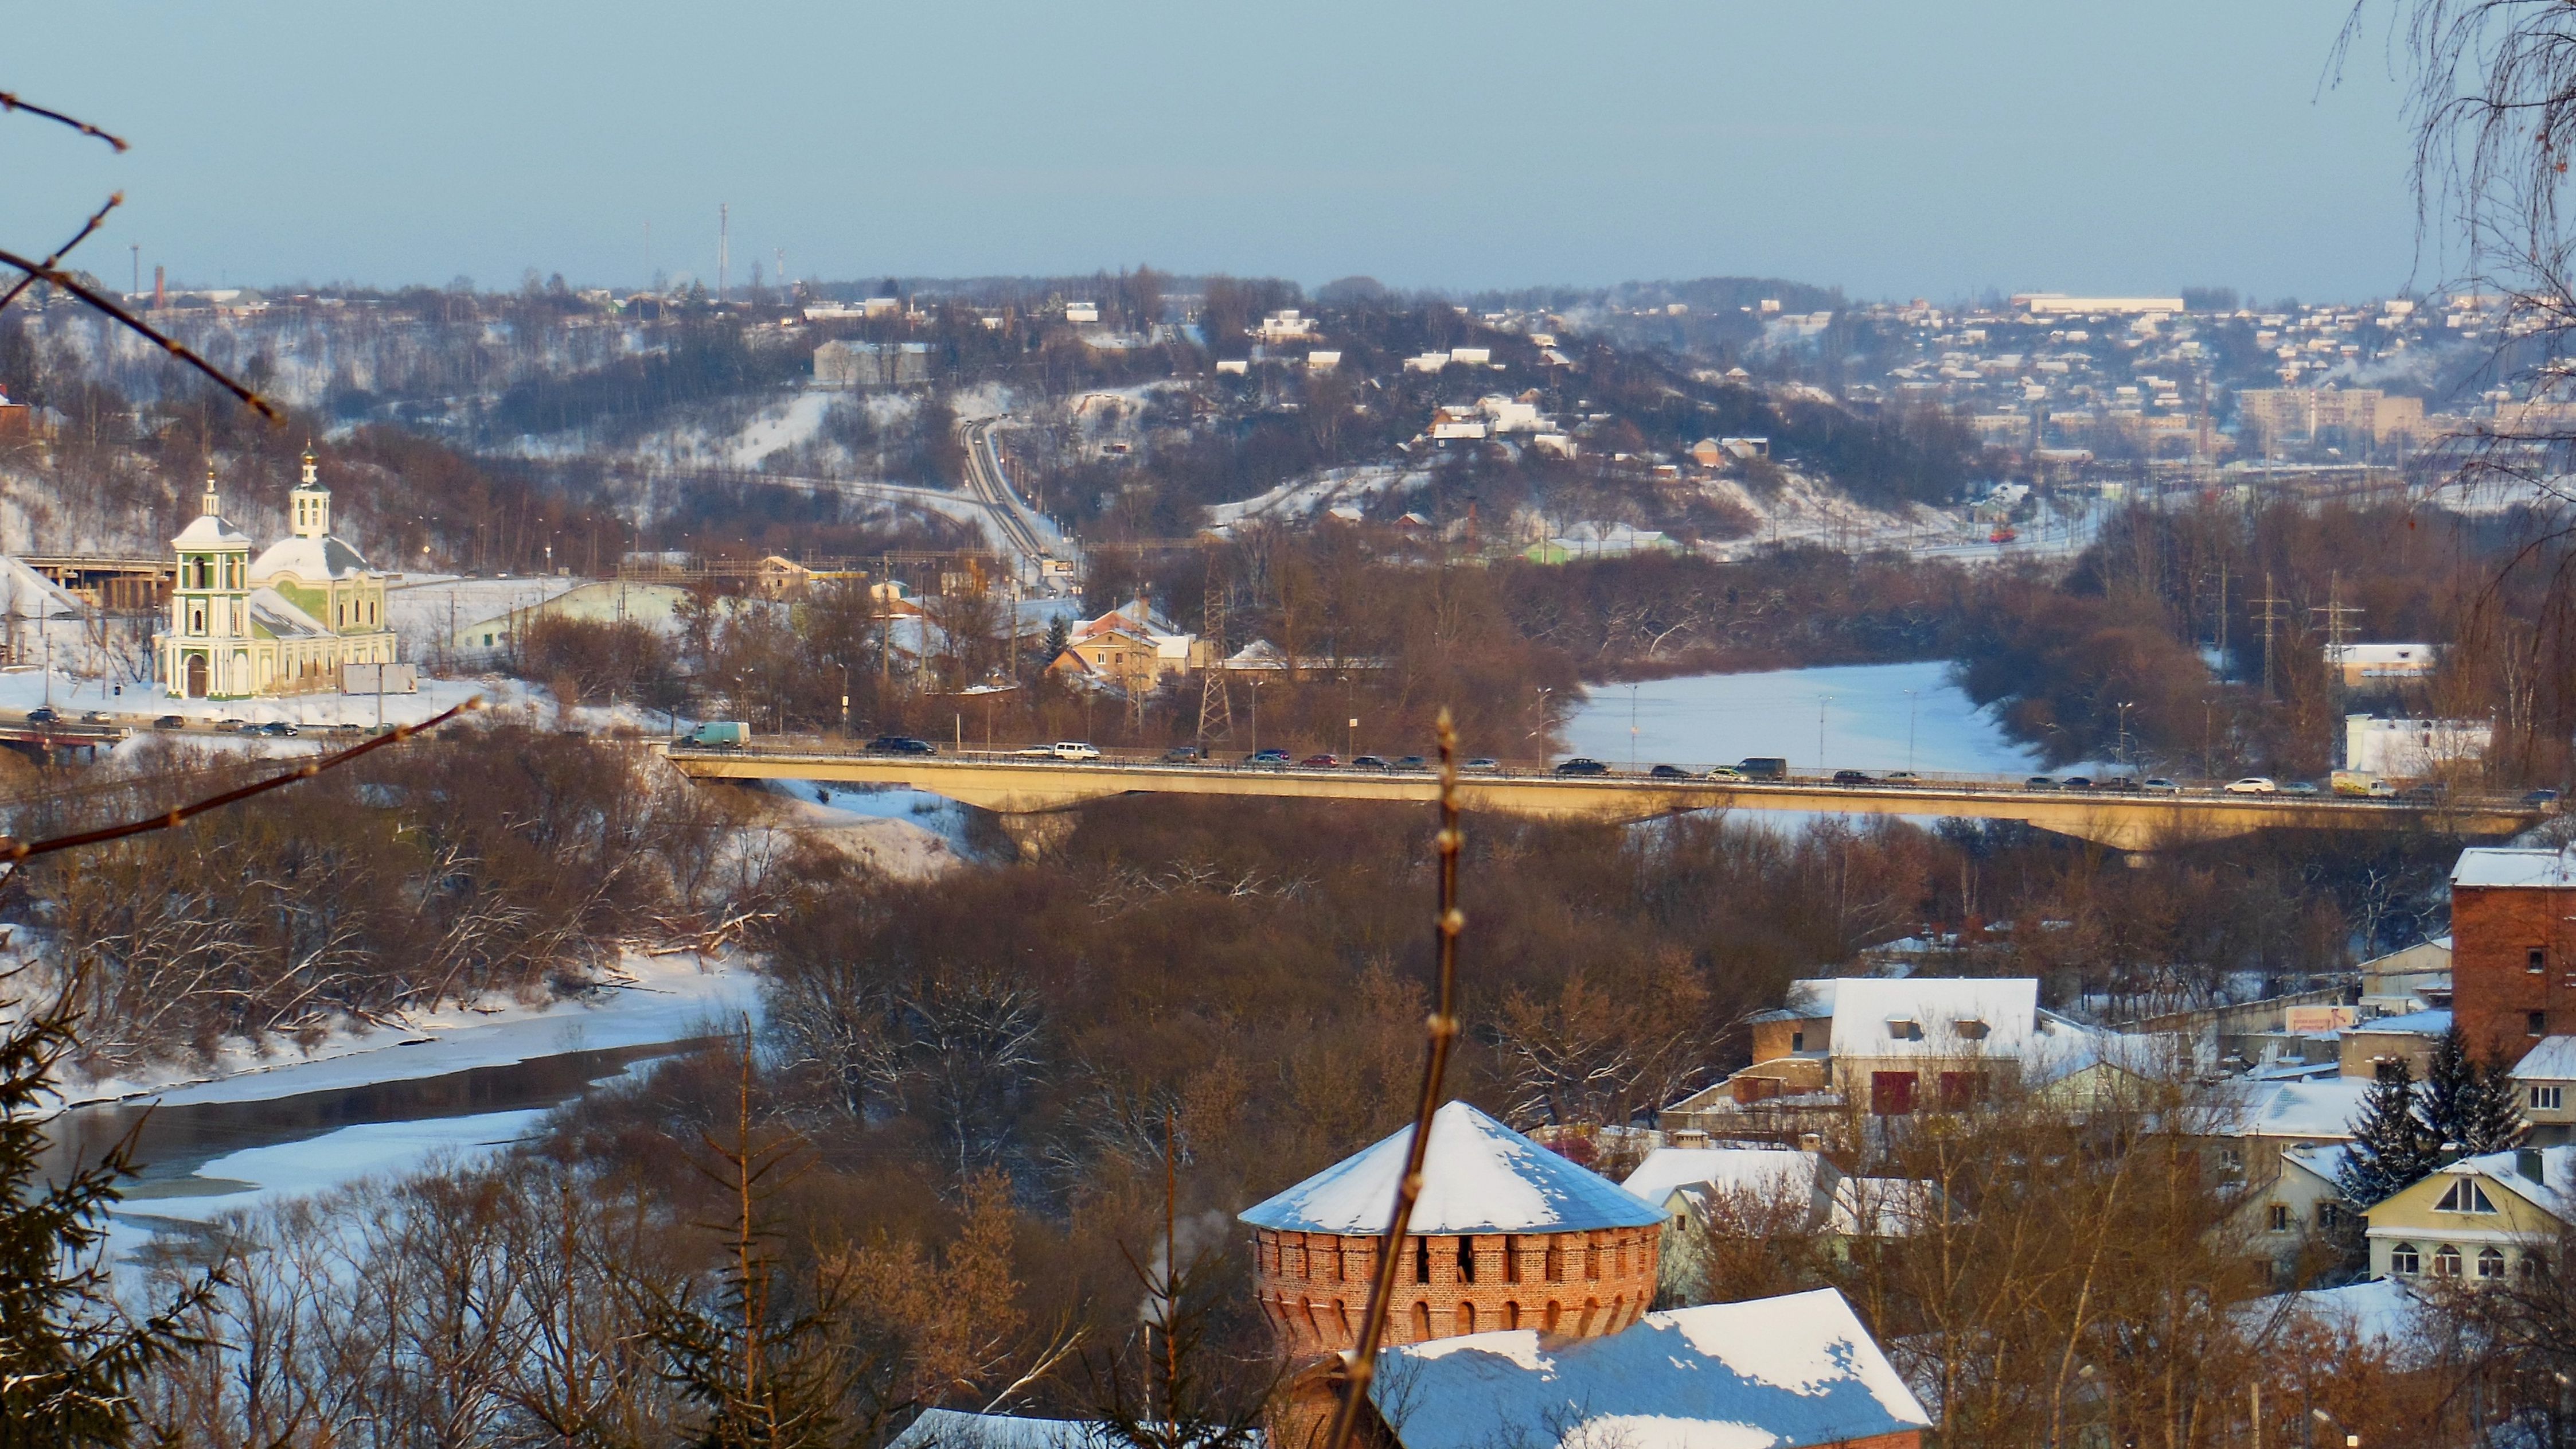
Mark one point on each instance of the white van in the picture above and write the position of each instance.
(1075, 750)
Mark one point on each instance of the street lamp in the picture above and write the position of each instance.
(2124, 707)
(1823, 702)
(1909, 731)
(2350, 1439)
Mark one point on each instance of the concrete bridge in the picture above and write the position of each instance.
(1026, 792)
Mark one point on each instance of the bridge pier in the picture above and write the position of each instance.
(1036, 835)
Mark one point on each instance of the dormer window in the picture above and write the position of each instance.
(2465, 1196)
(1904, 1028)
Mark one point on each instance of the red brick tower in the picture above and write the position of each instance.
(1507, 1235)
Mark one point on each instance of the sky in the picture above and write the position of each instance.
(1931, 148)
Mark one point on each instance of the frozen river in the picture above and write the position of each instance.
(1844, 716)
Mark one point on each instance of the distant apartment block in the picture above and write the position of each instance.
(2058, 304)
(871, 364)
(2310, 414)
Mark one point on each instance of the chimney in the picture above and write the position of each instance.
(160, 286)
(1811, 1142)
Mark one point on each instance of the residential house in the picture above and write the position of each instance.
(2259, 1120)
(1793, 1372)
(2296, 1206)
(2513, 955)
(2480, 1219)
(2545, 1079)
(1287, 326)
(2413, 979)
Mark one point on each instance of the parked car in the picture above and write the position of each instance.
(1669, 772)
(1320, 762)
(1413, 762)
(171, 722)
(2159, 785)
(1853, 777)
(1274, 759)
(43, 714)
(1368, 762)
(278, 729)
(1583, 765)
(1483, 765)
(2254, 785)
(1726, 772)
(1183, 755)
(1764, 767)
(900, 745)
(2040, 782)
(1075, 750)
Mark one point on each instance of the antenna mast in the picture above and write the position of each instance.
(724, 245)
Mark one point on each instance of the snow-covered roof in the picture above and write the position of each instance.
(309, 559)
(274, 612)
(1478, 1176)
(2554, 1060)
(2322, 1108)
(2323, 1159)
(209, 530)
(957, 1429)
(2509, 867)
(1940, 1017)
(1773, 1373)
(1760, 1172)
(2553, 1192)
(2381, 1311)
(2413, 1023)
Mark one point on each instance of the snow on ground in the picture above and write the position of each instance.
(905, 833)
(985, 400)
(1806, 510)
(427, 610)
(663, 998)
(1717, 719)
(779, 428)
(1301, 497)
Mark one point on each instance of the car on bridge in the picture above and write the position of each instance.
(1184, 755)
(43, 714)
(2040, 782)
(97, 716)
(171, 722)
(1726, 772)
(278, 729)
(900, 745)
(1369, 762)
(1270, 759)
(1320, 762)
(1764, 767)
(1853, 777)
(2076, 782)
(1483, 765)
(1413, 762)
(1668, 772)
(2254, 785)
(1074, 750)
(1582, 765)
(1904, 779)
(2159, 785)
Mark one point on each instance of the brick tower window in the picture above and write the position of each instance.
(2535, 960)
(2537, 1023)
(1422, 1260)
(1467, 1263)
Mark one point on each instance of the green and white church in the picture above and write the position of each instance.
(282, 623)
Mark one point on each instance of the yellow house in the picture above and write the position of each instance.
(2481, 1219)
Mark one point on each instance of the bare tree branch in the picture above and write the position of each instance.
(10, 102)
(57, 277)
(87, 227)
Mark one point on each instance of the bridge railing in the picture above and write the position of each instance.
(1946, 782)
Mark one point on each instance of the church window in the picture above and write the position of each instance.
(197, 620)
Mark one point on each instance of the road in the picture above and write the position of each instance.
(1018, 786)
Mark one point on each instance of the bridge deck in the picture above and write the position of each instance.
(2128, 821)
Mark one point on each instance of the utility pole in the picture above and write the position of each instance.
(724, 245)
(2272, 605)
(1216, 704)
(2338, 634)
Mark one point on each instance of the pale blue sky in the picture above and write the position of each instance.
(1927, 148)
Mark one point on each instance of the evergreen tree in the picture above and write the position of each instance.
(2468, 1107)
(69, 1353)
(2391, 1146)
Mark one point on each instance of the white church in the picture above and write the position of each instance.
(282, 623)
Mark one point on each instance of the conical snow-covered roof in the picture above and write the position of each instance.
(1478, 1177)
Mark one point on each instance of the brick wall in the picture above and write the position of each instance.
(2495, 988)
(1314, 1287)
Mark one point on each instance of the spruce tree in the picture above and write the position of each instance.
(2391, 1146)
(2468, 1107)
(69, 1354)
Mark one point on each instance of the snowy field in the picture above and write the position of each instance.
(427, 610)
(908, 834)
(1866, 715)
